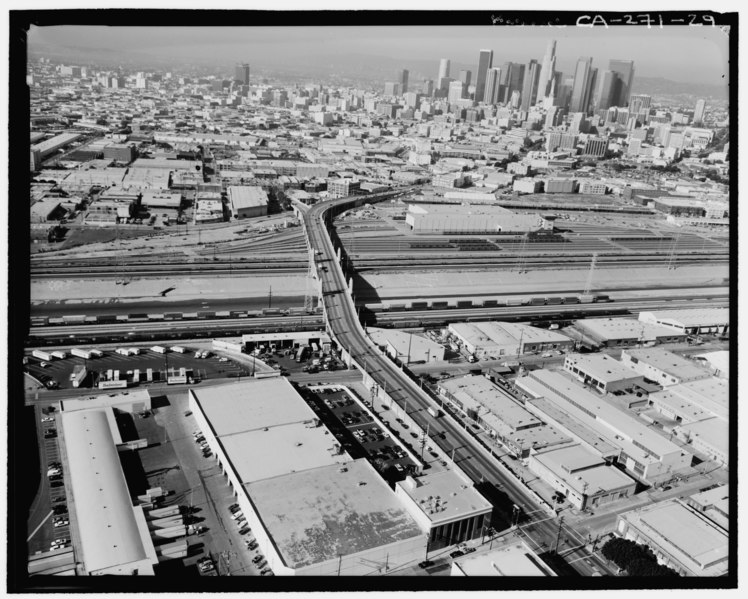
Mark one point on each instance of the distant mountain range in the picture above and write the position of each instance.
(659, 86)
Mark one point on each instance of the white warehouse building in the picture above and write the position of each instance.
(247, 202)
(469, 218)
(313, 509)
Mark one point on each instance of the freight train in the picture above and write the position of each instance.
(490, 303)
(79, 319)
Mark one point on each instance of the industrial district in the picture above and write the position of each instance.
(469, 323)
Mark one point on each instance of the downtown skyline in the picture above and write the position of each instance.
(691, 58)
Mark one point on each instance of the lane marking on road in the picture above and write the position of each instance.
(33, 532)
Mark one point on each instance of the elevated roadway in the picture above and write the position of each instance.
(345, 328)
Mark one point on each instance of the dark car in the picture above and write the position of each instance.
(469, 549)
(456, 554)
(426, 564)
(58, 483)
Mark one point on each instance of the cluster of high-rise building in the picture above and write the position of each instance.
(523, 85)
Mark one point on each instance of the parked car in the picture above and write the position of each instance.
(456, 554)
(426, 564)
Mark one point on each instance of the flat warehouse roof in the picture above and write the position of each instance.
(247, 196)
(446, 209)
(317, 515)
(668, 362)
(701, 317)
(164, 163)
(104, 513)
(556, 387)
(484, 392)
(575, 427)
(295, 447)
(601, 367)
(487, 333)
(686, 409)
(713, 432)
(710, 393)
(691, 536)
(252, 405)
(583, 471)
(624, 328)
(511, 560)
(445, 496)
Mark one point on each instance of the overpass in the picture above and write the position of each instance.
(387, 380)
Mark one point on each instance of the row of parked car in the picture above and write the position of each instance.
(251, 543)
(204, 447)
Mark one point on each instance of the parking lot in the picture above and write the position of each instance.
(216, 366)
(359, 434)
(49, 525)
(204, 489)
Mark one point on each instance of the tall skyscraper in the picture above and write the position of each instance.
(241, 73)
(443, 73)
(547, 70)
(580, 92)
(485, 62)
(465, 78)
(530, 85)
(608, 90)
(698, 113)
(403, 80)
(456, 91)
(512, 75)
(593, 87)
(625, 71)
(391, 88)
(491, 96)
(428, 87)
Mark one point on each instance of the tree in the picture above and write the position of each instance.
(637, 560)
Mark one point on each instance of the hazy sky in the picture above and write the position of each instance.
(688, 54)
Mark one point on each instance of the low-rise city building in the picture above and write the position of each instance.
(515, 559)
(691, 321)
(492, 339)
(662, 366)
(681, 538)
(584, 478)
(247, 202)
(646, 454)
(505, 419)
(602, 373)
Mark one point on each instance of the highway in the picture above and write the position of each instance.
(343, 322)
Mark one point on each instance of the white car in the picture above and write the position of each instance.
(61, 523)
(43, 364)
(48, 419)
(59, 542)
(223, 359)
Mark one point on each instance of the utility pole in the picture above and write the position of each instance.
(588, 285)
(270, 297)
(423, 439)
(558, 534)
